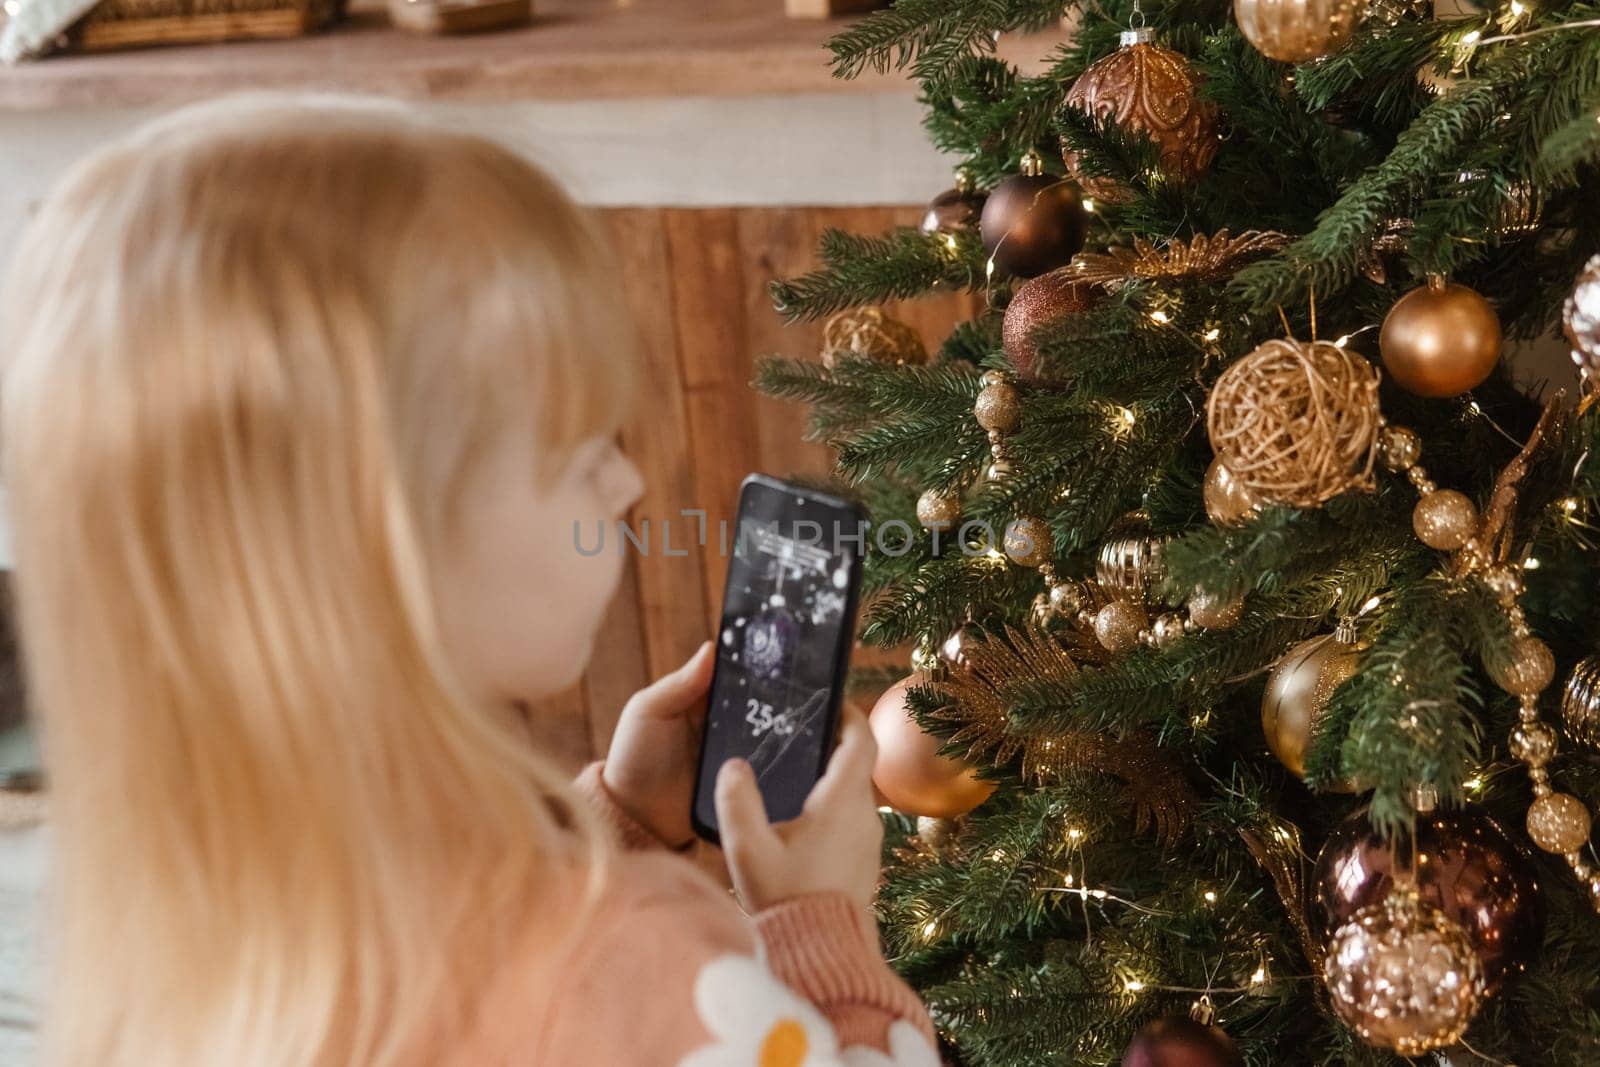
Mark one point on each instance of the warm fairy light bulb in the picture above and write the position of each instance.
(1098, 894)
(1372, 602)
(1259, 977)
(1341, 342)
(1074, 834)
(995, 553)
(930, 928)
(1132, 985)
(1211, 897)
(1471, 785)
(949, 241)
(885, 810)
(1160, 316)
(998, 854)
(1472, 406)
(1569, 505)
(1069, 880)
(1530, 564)
(1212, 334)
(1088, 204)
(1517, 9)
(1472, 37)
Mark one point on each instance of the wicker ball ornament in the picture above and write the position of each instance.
(1297, 30)
(1033, 222)
(1403, 975)
(1440, 340)
(1295, 422)
(1151, 90)
(868, 333)
(1036, 302)
(1581, 317)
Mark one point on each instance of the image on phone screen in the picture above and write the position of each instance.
(782, 645)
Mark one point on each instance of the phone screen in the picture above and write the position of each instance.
(788, 617)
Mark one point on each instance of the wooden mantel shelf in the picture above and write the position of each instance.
(575, 49)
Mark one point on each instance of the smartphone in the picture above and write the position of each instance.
(783, 646)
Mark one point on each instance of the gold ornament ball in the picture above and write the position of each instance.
(1296, 422)
(1117, 625)
(909, 771)
(1215, 612)
(998, 407)
(1129, 564)
(1533, 743)
(937, 509)
(1558, 822)
(937, 834)
(1527, 671)
(1403, 975)
(1440, 340)
(1297, 30)
(1150, 90)
(1297, 695)
(1399, 448)
(1444, 519)
(868, 333)
(1581, 318)
(999, 470)
(1580, 702)
(1228, 503)
(1029, 542)
(1067, 598)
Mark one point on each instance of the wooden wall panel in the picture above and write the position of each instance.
(695, 282)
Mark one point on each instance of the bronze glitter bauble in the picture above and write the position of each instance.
(1464, 865)
(909, 771)
(998, 407)
(1033, 222)
(1297, 30)
(1527, 670)
(1580, 702)
(1179, 1041)
(1215, 612)
(1227, 502)
(1440, 340)
(1444, 519)
(1403, 976)
(954, 211)
(1297, 695)
(1581, 317)
(1029, 543)
(1150, 90)
(938, 510)
(1117, 625)
(1559, 823)
(1296, 422)
(1040, 300)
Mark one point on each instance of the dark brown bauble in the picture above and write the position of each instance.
(1151, 90)
(1465, 865)
(1033, 223)
(1040, 300)
(909, 771)
(1179, 1041)
(1440, 340)
(954, 211)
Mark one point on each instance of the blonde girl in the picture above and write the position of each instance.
(301, 400)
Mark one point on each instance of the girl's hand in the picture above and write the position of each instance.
(650, 768)
(833, 847)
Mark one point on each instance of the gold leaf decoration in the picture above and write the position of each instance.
(1204, 257)
(1275, 844)
(981, 694)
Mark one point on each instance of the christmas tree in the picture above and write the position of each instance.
(1250, 604)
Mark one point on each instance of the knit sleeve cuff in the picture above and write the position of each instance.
(825, 947)
(628, 831)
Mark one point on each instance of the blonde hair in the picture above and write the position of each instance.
(251, 353)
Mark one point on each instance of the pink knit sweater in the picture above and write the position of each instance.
(670, 972)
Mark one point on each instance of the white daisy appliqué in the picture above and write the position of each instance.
(757, 1021)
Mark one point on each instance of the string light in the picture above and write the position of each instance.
(1211, 897)
(1471, 785)
(1132, 985)
(1088, 204)
(1530, 564)
(1569, 505)
(1260, 976)
(1212, 334)
(1074, 834)
(930, 928)
(1160, 316)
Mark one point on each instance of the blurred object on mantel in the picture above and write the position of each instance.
(459, 16)
(828, 9)
(40, 27)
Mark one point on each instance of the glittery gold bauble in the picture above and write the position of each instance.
(909, 771)
(1440, 340)
(1444, 519)
(998, 407)
(1029, 542)
(1154, 91)
(999, 470)
(1296, 422)
(868, 333)
(1215, 612)
(1529, 668)
(1035, 302)
(1228, 503)
(1297, 30)
(1581, 317)
(1297, 695)
(1558, 822)
(937, 509)
(1117, 625)
(1580, 703)
(1129, 564)
(1399, 448)
(1404, 976)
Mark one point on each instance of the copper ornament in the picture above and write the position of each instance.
(1179, 1041)
(1033, 222)
(909, 771)
(1582, 320)
(1035, 303)
(1296, 422)
(954, 210)
(1154, 91)
(1297, 695)
(1464, 864)
(1440, 339)
(1297, 30)
(1403, 975)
